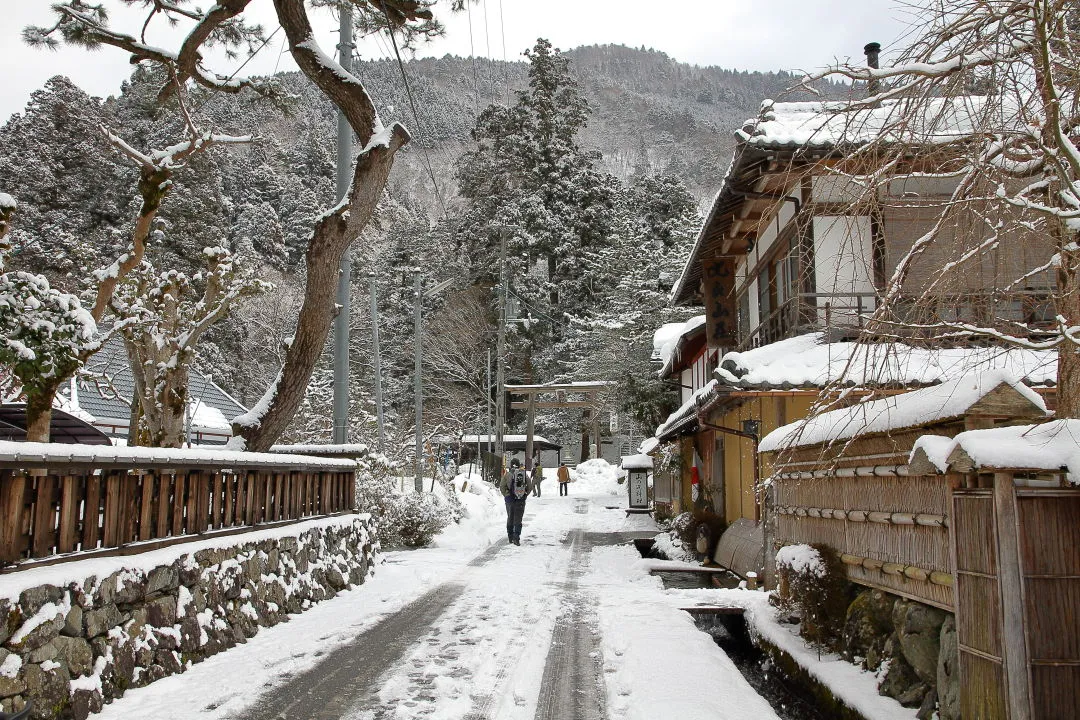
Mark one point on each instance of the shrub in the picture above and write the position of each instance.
(813, 586)
(404, 518)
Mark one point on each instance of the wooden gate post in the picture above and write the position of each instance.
(1014, 646)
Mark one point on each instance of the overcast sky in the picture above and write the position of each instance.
(761, 35)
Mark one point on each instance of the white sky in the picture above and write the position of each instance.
(762, 35)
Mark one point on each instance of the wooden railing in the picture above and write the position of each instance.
(90, 502)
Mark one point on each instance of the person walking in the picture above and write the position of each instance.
(515, 487)
(537, 477)
(564, 480)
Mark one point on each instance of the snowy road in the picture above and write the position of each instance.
(475, 629)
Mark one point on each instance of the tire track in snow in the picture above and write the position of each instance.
(328, 690)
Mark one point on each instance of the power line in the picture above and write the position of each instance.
(416, 115)
(506, 68)
(242, 66)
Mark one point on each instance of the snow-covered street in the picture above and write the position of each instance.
(568, 625)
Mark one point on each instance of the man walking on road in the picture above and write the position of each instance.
(537, 477)
(515, 487)
(564, 480)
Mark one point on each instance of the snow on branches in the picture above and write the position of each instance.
(984, 106)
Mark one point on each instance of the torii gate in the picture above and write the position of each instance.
(589, 389)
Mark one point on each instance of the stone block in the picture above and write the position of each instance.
(948, 672)
(76, 653)
(85, 702)
(162, 612)
(32, 599)
(918, 627)
(162, 579)
(43, 653)
(49, 689)
(100, 621)
(73, 623)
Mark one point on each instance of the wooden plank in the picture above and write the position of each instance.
(43, 532)
(309, 483)
(216, 501)
(146, 506)
(164, 503)
(178, 503)
(1015, 660)
(249, 500)
(129, 508)
(12, 501)
(279, 496)
(92, 513)
(229, 490)
(194, 481)
(69, 513)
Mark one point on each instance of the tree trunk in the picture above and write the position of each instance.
(586, 432)
(1068, 306)
(333, 233)
(39, 413)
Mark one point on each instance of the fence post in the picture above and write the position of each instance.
(1014, 642)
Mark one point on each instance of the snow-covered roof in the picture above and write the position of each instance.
(1054, 445)
(808, 361)
(31, 452)
(648, 445)
(671, 353)
(687, 413)
(212, 407)
(348, 449)
(937, 403)
(666, 333)
(826, 125)
(637, 462)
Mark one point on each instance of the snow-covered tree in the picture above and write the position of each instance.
(223, 24)
(985, 101)
(529, 178)
(45, 334)
(168, 313)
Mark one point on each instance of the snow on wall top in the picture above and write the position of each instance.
(31, 452)
(825, 125)
(346, 449)
(950, 399)
(809, 361)
(1050, 446)
(7, 202)
(637, 462)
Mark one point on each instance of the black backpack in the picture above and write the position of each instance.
(518, 486)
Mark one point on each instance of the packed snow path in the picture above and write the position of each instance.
(564, 626)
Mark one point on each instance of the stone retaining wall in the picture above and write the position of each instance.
(72, 646)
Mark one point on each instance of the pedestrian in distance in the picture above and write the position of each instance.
(537, 478)
(564, 480)
(515, 487)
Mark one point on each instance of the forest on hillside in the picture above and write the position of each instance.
(646, 140)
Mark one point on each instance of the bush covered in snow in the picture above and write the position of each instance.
(813, 587)
(404, 518)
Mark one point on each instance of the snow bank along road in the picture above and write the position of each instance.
(561, 627)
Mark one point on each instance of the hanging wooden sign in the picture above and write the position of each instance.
(718, 293)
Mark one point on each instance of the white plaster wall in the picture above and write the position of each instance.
(834, 189)
(686, 380)
(843, 263)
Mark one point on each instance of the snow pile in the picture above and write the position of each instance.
(1050, 446)
(802, 559)
(951, 399)
(809, 361)
(481, 508)
(597, 477)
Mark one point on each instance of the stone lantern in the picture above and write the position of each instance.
(637, 469)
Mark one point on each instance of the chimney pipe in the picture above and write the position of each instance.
(872, 52)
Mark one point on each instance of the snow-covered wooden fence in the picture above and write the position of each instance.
(66, 501)
(1016, 544)
(843, 479)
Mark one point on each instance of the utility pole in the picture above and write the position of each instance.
(487, 387)
(500, 351)
(344, 180)
(376, 359)
(419, 388)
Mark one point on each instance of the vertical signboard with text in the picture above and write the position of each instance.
(718, 291)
